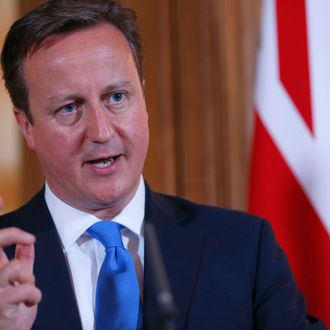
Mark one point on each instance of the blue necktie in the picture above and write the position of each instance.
(117, 293)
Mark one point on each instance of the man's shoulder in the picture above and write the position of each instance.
(207, 216)
(20, 216)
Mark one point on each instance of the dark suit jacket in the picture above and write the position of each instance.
(225, 269)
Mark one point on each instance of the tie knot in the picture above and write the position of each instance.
(107, 233)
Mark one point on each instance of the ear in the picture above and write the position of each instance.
(25, 127)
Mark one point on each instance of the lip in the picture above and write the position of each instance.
(104, 165)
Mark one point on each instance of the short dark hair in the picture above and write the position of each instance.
(59, 17)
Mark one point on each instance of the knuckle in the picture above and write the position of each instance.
(32, 279)
(39, 294)
(32, 293)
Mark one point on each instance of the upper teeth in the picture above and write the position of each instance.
(105, 163)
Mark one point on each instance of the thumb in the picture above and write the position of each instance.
(25, 253)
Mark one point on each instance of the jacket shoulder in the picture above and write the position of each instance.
(23, 216)
(207, 216)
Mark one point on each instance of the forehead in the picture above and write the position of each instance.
(101, 42)
(79, 63)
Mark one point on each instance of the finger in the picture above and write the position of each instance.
(27, 294)
(10, 236)
(25, 253)
(3, 257)
(15, 272)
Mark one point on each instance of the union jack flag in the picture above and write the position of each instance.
(290, 168)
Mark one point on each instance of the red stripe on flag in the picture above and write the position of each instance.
(293, 55)
(277, 196)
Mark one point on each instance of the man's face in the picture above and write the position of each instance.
(90, 125)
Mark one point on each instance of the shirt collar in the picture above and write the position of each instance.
(71, 223)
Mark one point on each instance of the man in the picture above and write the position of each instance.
(73, 70)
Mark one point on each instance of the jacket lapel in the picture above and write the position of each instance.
(181, 245)
(58, 308)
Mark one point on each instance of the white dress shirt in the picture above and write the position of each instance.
(84, 255)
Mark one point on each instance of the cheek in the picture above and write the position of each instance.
(140, 131)
(55, 146)
(142, 141)
(133, 127)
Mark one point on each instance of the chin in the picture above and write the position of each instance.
(109, 193)
(107, 197)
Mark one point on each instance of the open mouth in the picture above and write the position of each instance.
(103, 163)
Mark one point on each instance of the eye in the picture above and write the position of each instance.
(116, 97)
(116, 100)
(69, 114)
(68, 109)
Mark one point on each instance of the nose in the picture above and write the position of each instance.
(99, 126)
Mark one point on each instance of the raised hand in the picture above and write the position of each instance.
(18, 294)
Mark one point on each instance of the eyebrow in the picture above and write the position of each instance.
(63, 97)
(109, 88)
(116, 86)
